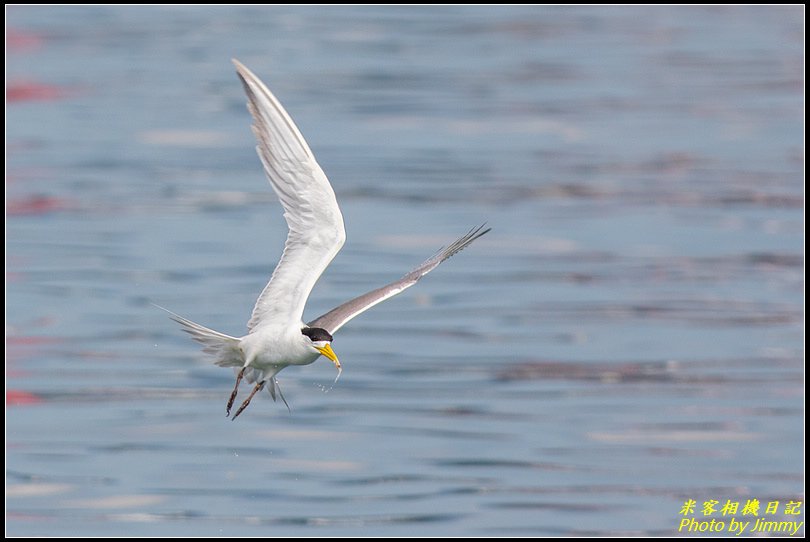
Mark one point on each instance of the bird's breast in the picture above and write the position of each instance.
(273, 347)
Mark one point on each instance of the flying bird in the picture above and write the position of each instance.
(277, 336)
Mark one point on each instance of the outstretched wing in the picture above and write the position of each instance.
(334, 319)
(310, 209)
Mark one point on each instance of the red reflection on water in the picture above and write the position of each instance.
(24, 347)
(35, 205)
(20, 398)
(23, 91)
(30, 340)
(20, 40)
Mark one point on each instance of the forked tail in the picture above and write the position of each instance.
(224, 348)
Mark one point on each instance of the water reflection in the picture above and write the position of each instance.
(629, 336)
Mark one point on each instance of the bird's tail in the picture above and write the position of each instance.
(224, 348)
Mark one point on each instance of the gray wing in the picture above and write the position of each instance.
(334, 319)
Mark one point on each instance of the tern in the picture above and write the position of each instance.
(277, 336)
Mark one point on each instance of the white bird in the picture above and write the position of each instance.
(277, 336)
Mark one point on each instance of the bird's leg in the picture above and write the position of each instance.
(274, 382)
(235, 390)
(256, 389)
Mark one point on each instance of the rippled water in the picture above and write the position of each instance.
(627, 338)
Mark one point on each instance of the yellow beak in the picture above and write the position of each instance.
(329, 353)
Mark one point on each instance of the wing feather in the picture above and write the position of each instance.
(337, 317)
(310, 208)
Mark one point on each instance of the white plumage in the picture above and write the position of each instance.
(277, 336)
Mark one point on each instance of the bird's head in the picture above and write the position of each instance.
(321, 341)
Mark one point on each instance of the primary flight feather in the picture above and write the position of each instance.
(277, 336)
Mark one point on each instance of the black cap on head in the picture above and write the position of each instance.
(317, 334)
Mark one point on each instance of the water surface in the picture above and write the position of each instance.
(628, 337)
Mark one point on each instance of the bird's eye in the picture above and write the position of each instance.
(317, 334)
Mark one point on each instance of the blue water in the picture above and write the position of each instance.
(628, 337)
